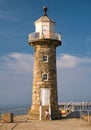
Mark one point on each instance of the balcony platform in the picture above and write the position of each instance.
(37, 37)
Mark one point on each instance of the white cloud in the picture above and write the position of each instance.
(69, 61)
(16, 70)
(17, 62)
(74, 78)
(16, 78)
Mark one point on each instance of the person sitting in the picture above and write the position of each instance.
(47, 115)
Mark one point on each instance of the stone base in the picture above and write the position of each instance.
(34, 113)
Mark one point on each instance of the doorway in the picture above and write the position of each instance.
(45, 96)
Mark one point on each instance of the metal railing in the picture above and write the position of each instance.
(50, 35)
(82, 114)
(85, 115)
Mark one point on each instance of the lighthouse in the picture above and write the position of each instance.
(44, 89)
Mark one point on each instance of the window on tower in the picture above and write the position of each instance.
(44, 76)
(45, 58)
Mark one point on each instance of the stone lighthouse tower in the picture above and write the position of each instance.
(44, 93)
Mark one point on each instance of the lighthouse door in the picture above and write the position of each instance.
(45, 96)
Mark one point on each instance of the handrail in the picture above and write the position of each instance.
(49, 35)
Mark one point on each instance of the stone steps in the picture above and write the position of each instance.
(44, 108)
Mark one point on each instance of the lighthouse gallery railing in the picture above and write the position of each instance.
(38, 35)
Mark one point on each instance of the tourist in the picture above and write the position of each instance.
(47, 115)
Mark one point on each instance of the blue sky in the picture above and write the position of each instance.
(73, 21)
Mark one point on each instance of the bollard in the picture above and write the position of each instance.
(7, 118)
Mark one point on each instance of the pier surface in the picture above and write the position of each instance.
(65, 124)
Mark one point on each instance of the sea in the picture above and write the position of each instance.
(15, 109)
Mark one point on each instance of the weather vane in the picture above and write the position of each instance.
(45, 10)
